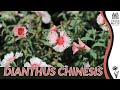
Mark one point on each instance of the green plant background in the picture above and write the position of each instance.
(82, 25)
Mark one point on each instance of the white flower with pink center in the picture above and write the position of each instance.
(36, 62)
(100, 19)
(9, 58)
(61, 41)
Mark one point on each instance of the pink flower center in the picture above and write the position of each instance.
(83, 47)
(35, 65)
(60, 40)
(54, 29)
(20, 31)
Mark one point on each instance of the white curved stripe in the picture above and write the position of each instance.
(114, 58)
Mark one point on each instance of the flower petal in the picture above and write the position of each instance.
(43, 64)
(18, 54)
(75, 47)
(100, 19)
(46, 18)
(83, 45)
(59, 48)
(35, 60)
(27, 64)
(9, 55)
(52, 37)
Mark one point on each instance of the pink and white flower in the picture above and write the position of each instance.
(36, 62)
(61, 41)
(76, 47)
(20, 31)
(9, 58)
(46, 18)
(100, 19)
(101, 22)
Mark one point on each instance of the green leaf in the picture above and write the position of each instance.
(89, 31)
(11, 41)
(3, 24)
(99, 45)
(13, 19)
(85, 59)
(87, 35)
(70, 27)
(60, 65)
(38, 19)
(6, 47)
(93, 63)
(77, 63)
(54, 62)
(30, 43)
(18, 38)
(64, 17)
(78, 21)
(81, 14)
(25, 53)
(93, 54)
(45, 43)
(73, 23)
(102, 57)
(4, 31)
(101, 34)
(28, 55)
(101, 40)
(8, 36)
(61, 14)
(87, 38)
(29, 50)
(13, 64)
(80, 56)
(76, 30)
(36, 36)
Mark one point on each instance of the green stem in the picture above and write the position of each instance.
(31, 47)
(14, 64)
